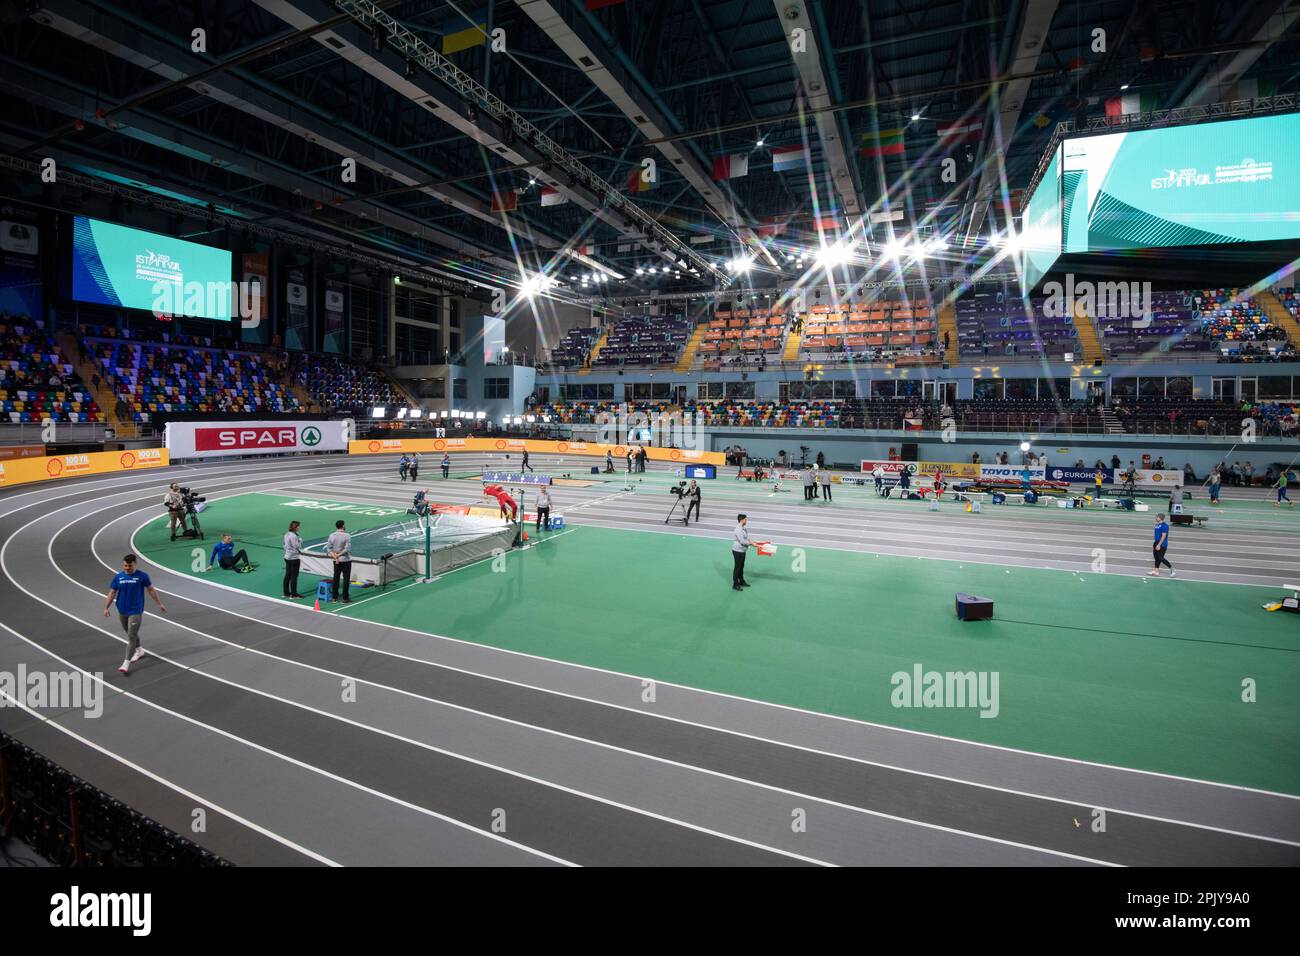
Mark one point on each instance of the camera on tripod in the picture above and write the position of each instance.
(678, 489)
(189, 499)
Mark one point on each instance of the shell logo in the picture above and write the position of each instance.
(676, 455)
(1157, 477)
(54, 467)
(127, 460)
(374, 446)
(562, 447)
(620, 450)
(501, 444)
(439, 445)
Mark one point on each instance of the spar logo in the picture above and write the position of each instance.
(310, 435)
(246, 439)
(127, 460)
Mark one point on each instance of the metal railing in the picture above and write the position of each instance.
(35, 433)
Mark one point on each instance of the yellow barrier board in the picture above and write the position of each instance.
(432, 446)
(950, 469)
(50, 467)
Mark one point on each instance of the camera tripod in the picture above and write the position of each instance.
(677, 503)
(193, 517)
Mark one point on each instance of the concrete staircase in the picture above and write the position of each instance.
(1110, 422)
(1089, 341)
(1278, 315)
(687, 358)
(792, 343)
(595, 350)
(948, 327)
(104, 396)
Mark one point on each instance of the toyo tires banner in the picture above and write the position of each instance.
(225, 439)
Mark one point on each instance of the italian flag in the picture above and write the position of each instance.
(1131, 103)
(730, 167)
(789, 157)
(885, 142)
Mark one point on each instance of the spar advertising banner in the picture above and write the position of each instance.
(223, 439)
(515, 446)
(23, 470)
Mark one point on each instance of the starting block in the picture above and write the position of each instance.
(1290, 603)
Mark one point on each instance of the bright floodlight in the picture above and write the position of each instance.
(530, 419)
(417, 413)
(893, 250)
(401, 413)
(1010, 242)
(740, 265)
(836, 254)
(1024, 446)
(481, 415)
(379, 411)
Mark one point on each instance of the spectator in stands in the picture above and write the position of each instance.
(1248, 474)
(1114, 461)
(975, 458)
(1236, 472)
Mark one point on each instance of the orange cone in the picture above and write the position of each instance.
(317, 604)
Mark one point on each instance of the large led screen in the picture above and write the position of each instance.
(118, 265)
(1235, 181)
(1040, 229)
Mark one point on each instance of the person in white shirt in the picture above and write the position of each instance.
(740, 545)
(175, 504)
(543, 509)
(824, 479)
(808, 484)
(878, 474)
(339, 546)
(292, 560)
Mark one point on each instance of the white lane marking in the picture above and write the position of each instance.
(490, 650)
(360, 725)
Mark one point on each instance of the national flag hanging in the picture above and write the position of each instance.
(826, 224)
(586, 248)
(553, 197)
(785, 158)
(1130, 103)
(961, 131)
(730, 167)
(464, 39)
(601, 4)
(772, 227)
(505, 202)
(885, 142)
(1249, 90)
(636, 183)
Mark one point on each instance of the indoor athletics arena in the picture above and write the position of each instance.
(557, 433)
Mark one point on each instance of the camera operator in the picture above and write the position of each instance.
(174, 502)
(693, 499)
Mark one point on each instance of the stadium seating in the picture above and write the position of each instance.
(37, 381)
(337, 383)
(575, 348)
(996, 323)
(150, 378)
(644, 341)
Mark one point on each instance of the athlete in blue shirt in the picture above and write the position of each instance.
(127, 589)
(224, 555)
(1159, 546)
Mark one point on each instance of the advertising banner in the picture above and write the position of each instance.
(426, 446)
(1079, 474)
(950, 469)
(1013, 472)
(223, 439)
(1150, 478)
(23, 470)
